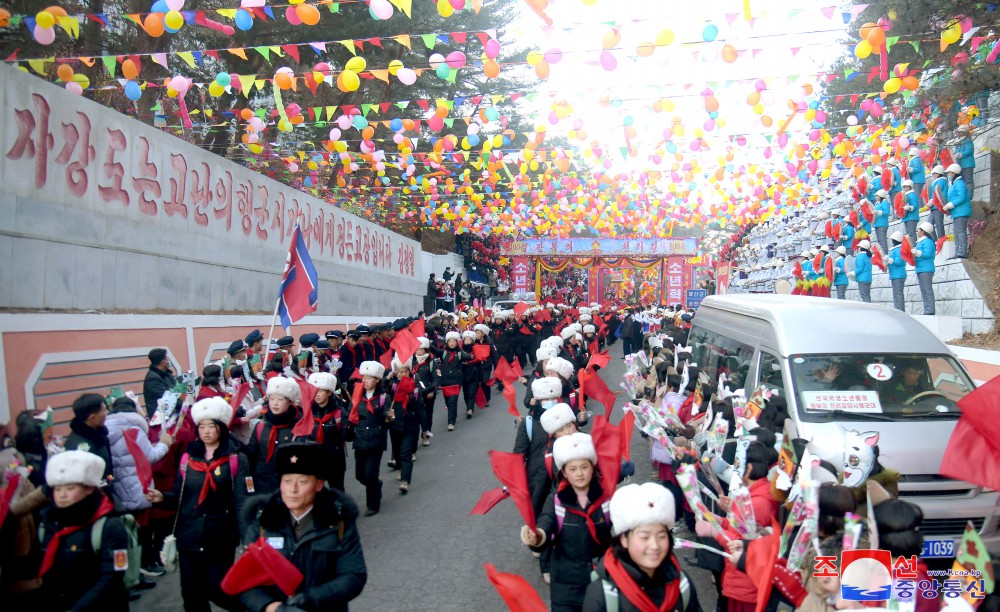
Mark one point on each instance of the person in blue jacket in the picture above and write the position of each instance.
(916, 172)
(960, 206)
(883, 209)
(897, 271)
(862, 272)
(875, 184)
(924, 253)
(840, 278)
(897, 179)
(847, 229)
(911, 208)
(965, 154)
(864, 229)
(939, 189)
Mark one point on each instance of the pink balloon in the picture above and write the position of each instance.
(435, 123)
(406, 76)
(608, 61)
(381, 9)
(175, 5)
(455, 59)
(344, 122)
(492, 48)
(876, 111)
(852, 120)
(334, 134)
(553, 56)
(179, 83)
(45, 36)
(760, 85)
(457, 4)
(74, 87)
(292, 16)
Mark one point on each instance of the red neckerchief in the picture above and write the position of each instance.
(586, 514)
(53, 547)
(272, 437)
(333, 415)
(404, 388)
(357, 399)
(207, 468)
(633, 592)
(548, 457)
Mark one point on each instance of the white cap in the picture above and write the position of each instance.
(557, 417)
(955, 169)
(908, 183)
(897, 236)
(546, 352)
(636, 505)
(914, 152)
(882, 193)
(452, 335)
(214, 408)
(285, 387)
(655, 342)
(893, 161)
(938, 169)
(75, 467)
(371, 368)
(926, 228)
(468, 335)
(876, 170)
(824, 248)
(864, 244)
(842, 250)
(589, 329)
(574, 446)
(546, 388)
(560, 366)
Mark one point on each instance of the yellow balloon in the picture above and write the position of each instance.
(394, 67)
(892, 85)
(174, 20)
(534, 57)
(215, 90)
(255, 148)
(952, 33)
(445, 9)
(863, 49)
(45, 19)
(356, 64)
(348, 81)
(664, 38)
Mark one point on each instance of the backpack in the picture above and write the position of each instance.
(611, 592)
(133, 550)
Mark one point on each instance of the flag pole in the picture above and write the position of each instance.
(267, 351)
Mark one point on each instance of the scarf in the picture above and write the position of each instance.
(356, 399)
(422, 358)
(586, 514)
(105, 508)
(199, 465)
(628, 587)
(277, 422)
(333, 415)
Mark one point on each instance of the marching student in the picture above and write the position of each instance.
(370, 417)
(450, 374)
(328, 411)
(408, 416)
(284, 399)
(425, 368)
(472, 373)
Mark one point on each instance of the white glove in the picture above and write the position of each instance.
(850, 275)
(949, 206)
(888, 261)
(907, 207)
(526, 538)
(880, 213)
(918, 253)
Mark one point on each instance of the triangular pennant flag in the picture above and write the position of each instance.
(265, 52)
(405, 6)
(349, 45)
(404, 39)
(71, 25)
(238, 52)
(38, 65)
(246, 83)
(110, 62)
(292, 51)
(187, 57)
(429, 40)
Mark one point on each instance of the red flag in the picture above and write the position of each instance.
(504, 373)
(853, 218)
(386, 360)
(509, 469)
(877, 260)
(515, 591)
(940, 244)
(829, 268)
(262, 565)
(863, 185)
(945, 158)
(405, 344)
(299, 283)
(142, 467)
(598, 359)
(906, 251)
(626, 427)
(867, 212)
(761, 554)
(797, 270)
(403, 391)
(818, 262)
(607, 444)
(480, 398)
(519, 309)
(596, 388)
(973, 452)
(489, 500)
(481, 352)
(451, 390)
(936, 199)
(305, 425)
(543, 316)
(898, 204)
(886, 178)
(516, 366)
(417, 328)
(592, 348)
(237, 398)
(511, 397)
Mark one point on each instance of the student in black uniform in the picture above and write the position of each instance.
(370, 417)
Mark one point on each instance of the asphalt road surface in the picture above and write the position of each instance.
(424, 551)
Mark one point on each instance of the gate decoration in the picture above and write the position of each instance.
(618, 271)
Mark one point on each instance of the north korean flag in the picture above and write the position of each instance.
(299, 284)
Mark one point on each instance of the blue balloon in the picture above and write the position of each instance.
(244, 20)
(171, 30)
(710, 33)
(160, 6)
(132, 91)
(473, 139)
(396, 124)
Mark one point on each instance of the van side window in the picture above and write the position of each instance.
(715, 354)
(769, 372)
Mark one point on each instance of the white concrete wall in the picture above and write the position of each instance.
(70, 239)
(437, 263)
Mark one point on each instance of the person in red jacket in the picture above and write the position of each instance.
(736, 585)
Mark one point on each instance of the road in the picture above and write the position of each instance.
(424, 551)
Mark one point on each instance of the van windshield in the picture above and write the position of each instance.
(867, 386)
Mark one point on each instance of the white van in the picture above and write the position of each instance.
(853, 366)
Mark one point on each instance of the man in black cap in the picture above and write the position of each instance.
(311, 526)
(236, 354)
(306, 359)
(87, 430)
(350, 357)
(255, 360)
(159, 378)
(365, 344)
(447, 274)
(284, 347)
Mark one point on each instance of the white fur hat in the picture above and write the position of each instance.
(584, 310)
(560, 366)
(372, 368)
(556, 417)
(589, 329)
(577, 327)
(571, 447)
(214, 408)
(468, 335)
(579, 337)
(595, 306)
(286, 387)
(586, 318)
(323, 380)
(567, 333)
(555, 341)
(482, 328)
(397, 364)
(546, 352)
(74, 467)
(546, 388)
(646, 504)
(453, 335)
(424, 343)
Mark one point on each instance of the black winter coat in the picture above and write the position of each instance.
(573, 548)
(450, 368)
(265, 474)
(156, 383)
(82, 579)
(350, 359)
(94, 441)
(655, 588)
(412, 416)
(537, 452)
(425, 375)
(213, 524)
(472, 369)
(329, 555)
(369, 431)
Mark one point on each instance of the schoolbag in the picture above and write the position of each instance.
(611, 592)
(133, 550)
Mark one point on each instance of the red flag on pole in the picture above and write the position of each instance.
(906, 251)
(596, 388)
(237, 399)
(761, 555)
(598, 359)
(626, 427)
(262, 565)
(299, 284)
(509, 469)
(607, 443)
(386, 360)
(142, 467)
(877, 260)
(515, 591)
(511, 397)
(481, 352)
(480, 398)
(405, 344)
(489, 500)
(504, 373)
(418, 328)
(516, 366)
(520, 308)
(973, 452)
